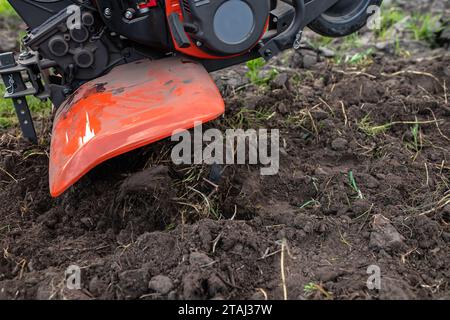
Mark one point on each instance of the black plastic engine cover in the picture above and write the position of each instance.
(36, 12)
(226, 27)
(147, 28)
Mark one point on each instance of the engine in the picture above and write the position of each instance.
(78, 47)
(86, 38)
(217, 27)
(225, 27)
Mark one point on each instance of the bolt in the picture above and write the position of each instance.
(199, 44)
(25, 55)
(107, 12)
(129, 14)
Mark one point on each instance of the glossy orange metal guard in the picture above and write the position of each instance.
(132, 106)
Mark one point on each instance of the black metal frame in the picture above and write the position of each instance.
(288, 23)
(17, 89)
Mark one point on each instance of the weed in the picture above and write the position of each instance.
(366, 126)
(353, 41)
(310, 289)
(424, 27)
(296, 79)
(416, 143)
(389, 19)
(255, 70)
(310, 203)
(320, 41)
(361, 57)
(415, 133)
(170, 227)
(248, 118)
(353, 185)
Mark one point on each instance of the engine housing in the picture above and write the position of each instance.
(225, 27)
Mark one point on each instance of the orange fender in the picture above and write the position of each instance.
(134, 105)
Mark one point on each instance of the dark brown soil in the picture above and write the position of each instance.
(142, 228)
(139, 218)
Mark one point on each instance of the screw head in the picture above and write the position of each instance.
(129, 14)
(107, 12)
(25, 55)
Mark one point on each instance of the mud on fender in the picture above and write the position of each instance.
(133, 105)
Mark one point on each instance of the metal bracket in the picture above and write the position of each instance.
(304, 13)
(287, 38)
(12, 74)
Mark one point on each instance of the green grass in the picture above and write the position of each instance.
(255, 70)
(8, 116)
(424, 27)
(362, 57)
(342, 47)
(6, 9)
(395, 23)
(415, 144)
(309, 288)
(354, 185)
(312, 288)
(321, 41)
(247, 118)
(389, 18)
(369, 128)
(310, 203)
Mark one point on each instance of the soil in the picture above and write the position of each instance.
(142, 228)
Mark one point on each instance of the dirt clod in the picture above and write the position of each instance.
(161, 284)
(133, 283)
(384, 235)
(149, 180)
(199, 259)
(339, 144)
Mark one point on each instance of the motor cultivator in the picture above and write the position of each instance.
(123, 74)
